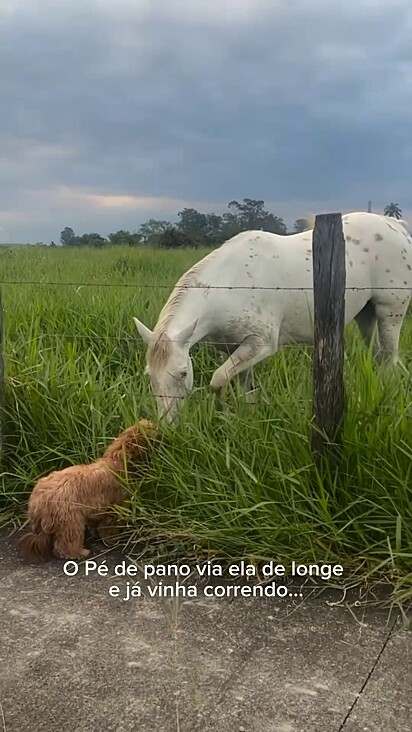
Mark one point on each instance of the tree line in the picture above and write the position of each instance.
(194, 229)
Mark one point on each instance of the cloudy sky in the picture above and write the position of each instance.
(115, 111)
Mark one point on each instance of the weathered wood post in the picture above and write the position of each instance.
(329, 282)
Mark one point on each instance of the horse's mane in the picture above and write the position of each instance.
(159, 349)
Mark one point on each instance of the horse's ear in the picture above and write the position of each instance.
(143, 332)
(186, 333)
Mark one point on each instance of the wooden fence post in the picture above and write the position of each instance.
(329, 282)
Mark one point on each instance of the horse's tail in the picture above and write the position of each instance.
(36, 547)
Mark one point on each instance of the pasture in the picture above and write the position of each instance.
(237, 484)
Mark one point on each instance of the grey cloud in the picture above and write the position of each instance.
(297, 102)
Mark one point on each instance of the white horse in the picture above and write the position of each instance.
(234, 299)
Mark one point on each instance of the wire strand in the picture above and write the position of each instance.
(132, 338)
(186, 287)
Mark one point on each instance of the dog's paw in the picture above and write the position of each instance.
(74, 555)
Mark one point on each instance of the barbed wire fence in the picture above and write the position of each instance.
(169, 287)
(328, 290)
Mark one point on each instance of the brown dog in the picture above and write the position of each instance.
(64, 502)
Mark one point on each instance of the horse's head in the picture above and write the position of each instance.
(169, 367)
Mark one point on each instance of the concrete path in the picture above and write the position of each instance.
(73, 658)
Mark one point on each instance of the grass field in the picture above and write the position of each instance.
(238, 484)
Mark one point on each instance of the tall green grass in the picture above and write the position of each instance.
(237, 484)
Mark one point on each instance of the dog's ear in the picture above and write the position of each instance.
(133, 444)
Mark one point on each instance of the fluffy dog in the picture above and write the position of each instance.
(64, 502)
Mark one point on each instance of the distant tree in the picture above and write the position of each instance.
(394, 210)
(275, 224)
(95, 240)
(151, 230)
(231, 225)
(124, 238)
(135, 239)
(174, 238)
(300, 225)
(90, 240)
(194, 224)
(251, 214)
(214, 227)
(67, 237)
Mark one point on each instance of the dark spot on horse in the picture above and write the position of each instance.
(391, 281)
(356, 241)
(350, 263)
(348, 238)
(405, 282)
(409, 266)
(308, 251)
(376, 257)
(387, 270)
(250, 256)
(378, 237)
(363, 262)
(366, 249)
(307, 259)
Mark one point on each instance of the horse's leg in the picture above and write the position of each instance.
(366, 321)
(390, 318)
(250, 352)
(248, 386)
